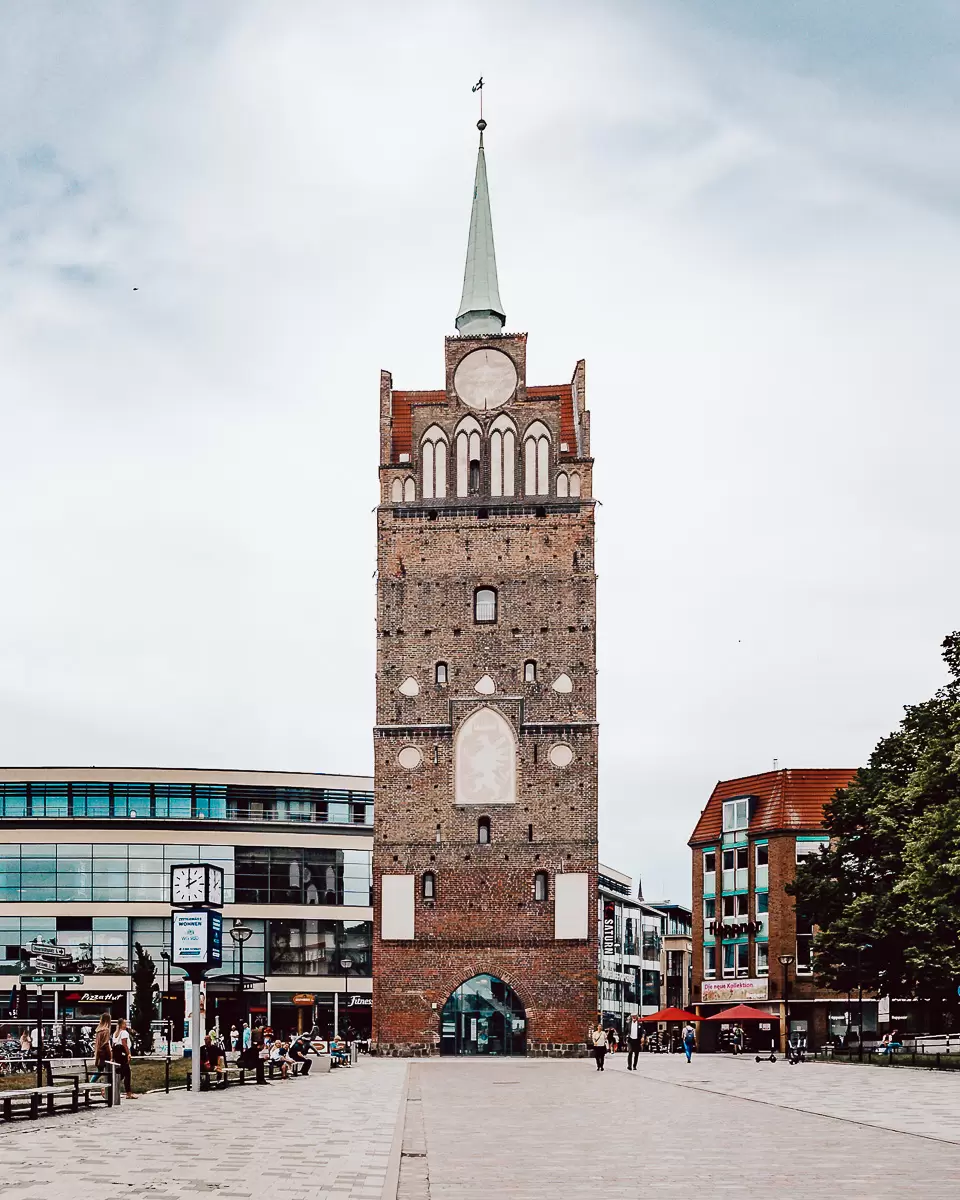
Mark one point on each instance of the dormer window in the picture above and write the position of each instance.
(736, 814)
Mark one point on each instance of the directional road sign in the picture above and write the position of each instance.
(38, 979)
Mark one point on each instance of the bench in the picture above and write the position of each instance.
(35, 1095)
(102, 1089)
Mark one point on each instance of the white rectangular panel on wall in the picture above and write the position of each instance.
(396, 907)
(571, 909)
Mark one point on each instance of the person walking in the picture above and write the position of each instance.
(102, 1050)
(122, 1053)
(598, 1039)
(613, 1039)
(689, 1039)
(634, 1034)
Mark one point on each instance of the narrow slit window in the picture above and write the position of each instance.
(483, 831)
(442, 674)
(429, 887)
(529, 671)
(540, 888)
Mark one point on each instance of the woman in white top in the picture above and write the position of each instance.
(599, 1040)
(122, 1053)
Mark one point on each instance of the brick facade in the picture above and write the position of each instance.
(537, 553)
(785, 807)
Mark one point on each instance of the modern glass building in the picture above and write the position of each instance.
(85, 859)
(630, 944)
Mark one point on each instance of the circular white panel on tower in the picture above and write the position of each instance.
(410, 758)
(485, 379)
(561, 755)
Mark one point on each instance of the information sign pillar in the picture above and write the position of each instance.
(195, 1039)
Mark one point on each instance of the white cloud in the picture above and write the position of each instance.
(756, 256)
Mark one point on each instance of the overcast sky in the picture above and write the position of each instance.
(743, 215)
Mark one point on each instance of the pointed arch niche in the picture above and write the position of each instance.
(433, 463)
(485, 759)
(536, 460)
(467, 444)
(503, 456)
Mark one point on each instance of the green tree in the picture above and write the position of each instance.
(886, 892)
(144, 1009)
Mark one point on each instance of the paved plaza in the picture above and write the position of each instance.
(518, 1128)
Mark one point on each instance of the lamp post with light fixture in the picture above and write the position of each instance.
(240, 934)
(785, 960)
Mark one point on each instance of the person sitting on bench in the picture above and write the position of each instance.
(211, 1059)
(297, 1054)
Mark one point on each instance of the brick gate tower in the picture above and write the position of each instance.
(485, 745)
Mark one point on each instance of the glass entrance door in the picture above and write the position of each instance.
(483, 1016)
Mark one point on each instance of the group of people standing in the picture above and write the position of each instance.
(113, 1046)
(604, 1040)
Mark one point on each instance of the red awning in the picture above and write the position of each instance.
(672, 1014)
(742, 1013)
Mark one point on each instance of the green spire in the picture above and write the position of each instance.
(480, 308)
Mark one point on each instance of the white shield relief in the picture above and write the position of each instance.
(485, 764)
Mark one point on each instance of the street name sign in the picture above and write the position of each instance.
(44, 979)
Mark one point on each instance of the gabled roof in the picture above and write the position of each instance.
(784, 800)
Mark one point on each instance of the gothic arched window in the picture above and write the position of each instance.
(536, 460)
(409, 488)
(503, 457)
(468, 453)
(433, 463)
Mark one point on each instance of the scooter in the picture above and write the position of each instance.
(770, 1056)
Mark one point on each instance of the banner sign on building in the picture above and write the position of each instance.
(609, 928)
(360, 1002)
(716, 990)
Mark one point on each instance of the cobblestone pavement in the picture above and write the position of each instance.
(536, 1129)
(902, 1099)
(326, 1137)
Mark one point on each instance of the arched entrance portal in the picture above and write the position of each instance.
(484, 1016)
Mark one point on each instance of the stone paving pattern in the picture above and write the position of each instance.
(719, 1127)
(520, 1128)
(326, 1137)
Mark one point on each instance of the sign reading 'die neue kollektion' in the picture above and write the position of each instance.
(733, 989)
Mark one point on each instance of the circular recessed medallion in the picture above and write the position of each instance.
(485, 379)
(561, 755)
(410, 758)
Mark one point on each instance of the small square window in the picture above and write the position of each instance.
(763, 855)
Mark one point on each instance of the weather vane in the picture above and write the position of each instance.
(478, 87)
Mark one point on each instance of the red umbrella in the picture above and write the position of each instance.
(672, 1014)
(742, 1013)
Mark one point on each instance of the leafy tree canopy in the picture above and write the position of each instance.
(889, 883)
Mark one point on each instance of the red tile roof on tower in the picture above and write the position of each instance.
(785, 800)
(403, 404)
(564, 393)
(401, 425)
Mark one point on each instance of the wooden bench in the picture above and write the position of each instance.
(102, 1089)
(34, 1095)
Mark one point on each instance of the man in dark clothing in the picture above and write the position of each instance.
(296, 1054)
(634, 1032)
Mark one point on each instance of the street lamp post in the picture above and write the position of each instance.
(240, 934)
(785, 960)
(165, 1004)
(860, 948)
(346, 964)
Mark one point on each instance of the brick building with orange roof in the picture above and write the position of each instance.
(746, 846)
